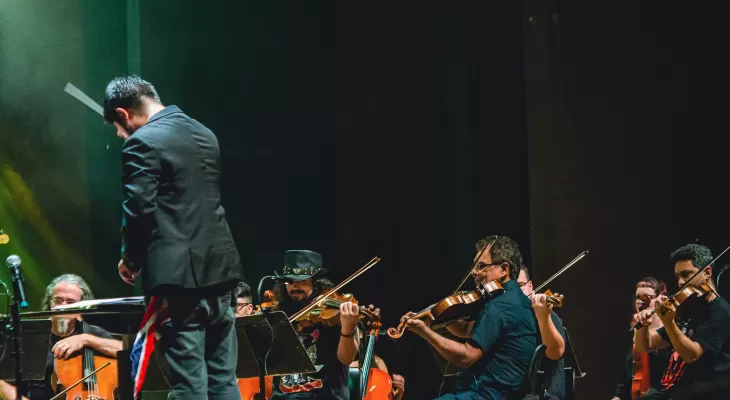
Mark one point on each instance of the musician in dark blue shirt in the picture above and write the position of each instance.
(501, 341)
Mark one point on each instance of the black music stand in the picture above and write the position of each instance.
(36, 341)
(268, 345)
(572, 372)
(119, 316)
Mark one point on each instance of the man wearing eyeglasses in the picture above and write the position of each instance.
(244, 301)
(502, 338)
(552, 335)
(69, 335)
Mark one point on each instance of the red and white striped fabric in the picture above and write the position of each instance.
(155, 315)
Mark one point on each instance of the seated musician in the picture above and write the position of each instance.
(702, 347)
(552, 335)
(69, 335)
(647, 291)
(244, 301)
(331, 348)
(502, 339)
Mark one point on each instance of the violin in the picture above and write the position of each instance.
(325, 309)
(554, 299)
(685, 298)
(77, 380)
(328, 311)
(458, 306)
(267, 303)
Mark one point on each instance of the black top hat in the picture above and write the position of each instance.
(300, 265)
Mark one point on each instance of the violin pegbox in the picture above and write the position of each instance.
(554, 299)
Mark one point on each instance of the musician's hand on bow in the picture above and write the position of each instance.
(126, 273)
(666, 312)
(645, 317)
(67, 347)
(541, 306)
(349, 317)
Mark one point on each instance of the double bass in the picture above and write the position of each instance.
(86, 376)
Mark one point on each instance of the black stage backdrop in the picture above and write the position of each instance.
(393, 130)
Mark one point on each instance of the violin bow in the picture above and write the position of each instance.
(565, 268)
(652, 312)
(474, 264)
(332, 291)
(58, 396)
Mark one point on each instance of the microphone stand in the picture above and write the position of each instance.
(17, 332)
(261, 395)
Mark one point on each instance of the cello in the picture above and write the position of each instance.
(86, 376)
(375, 384)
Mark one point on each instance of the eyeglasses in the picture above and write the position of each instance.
(241, 306)
(57, 301)
(482, 266)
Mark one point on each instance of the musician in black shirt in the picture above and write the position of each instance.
(69, 336)
(702, 347)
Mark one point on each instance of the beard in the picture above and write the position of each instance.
(292, 306)
(62, 326)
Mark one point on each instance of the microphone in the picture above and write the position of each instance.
(13, 263)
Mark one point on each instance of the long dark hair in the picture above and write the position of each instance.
(289, 306)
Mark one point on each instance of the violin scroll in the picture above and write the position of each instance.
(554, 299)
(396, 333)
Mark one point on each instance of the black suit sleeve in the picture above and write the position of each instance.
(140, 177)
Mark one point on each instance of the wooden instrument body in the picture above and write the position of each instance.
(685, 298)
(457, 306)
(640, 382)
(101, 386)
(379, 385)
(249, 387)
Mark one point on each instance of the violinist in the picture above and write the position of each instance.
(552, 335)
(331, 348)
(647, 291)
(502, 339)
(69, 335)
(702, 347)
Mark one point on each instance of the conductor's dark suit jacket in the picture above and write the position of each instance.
(174, 227)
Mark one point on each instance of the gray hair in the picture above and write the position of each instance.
(86, 293)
